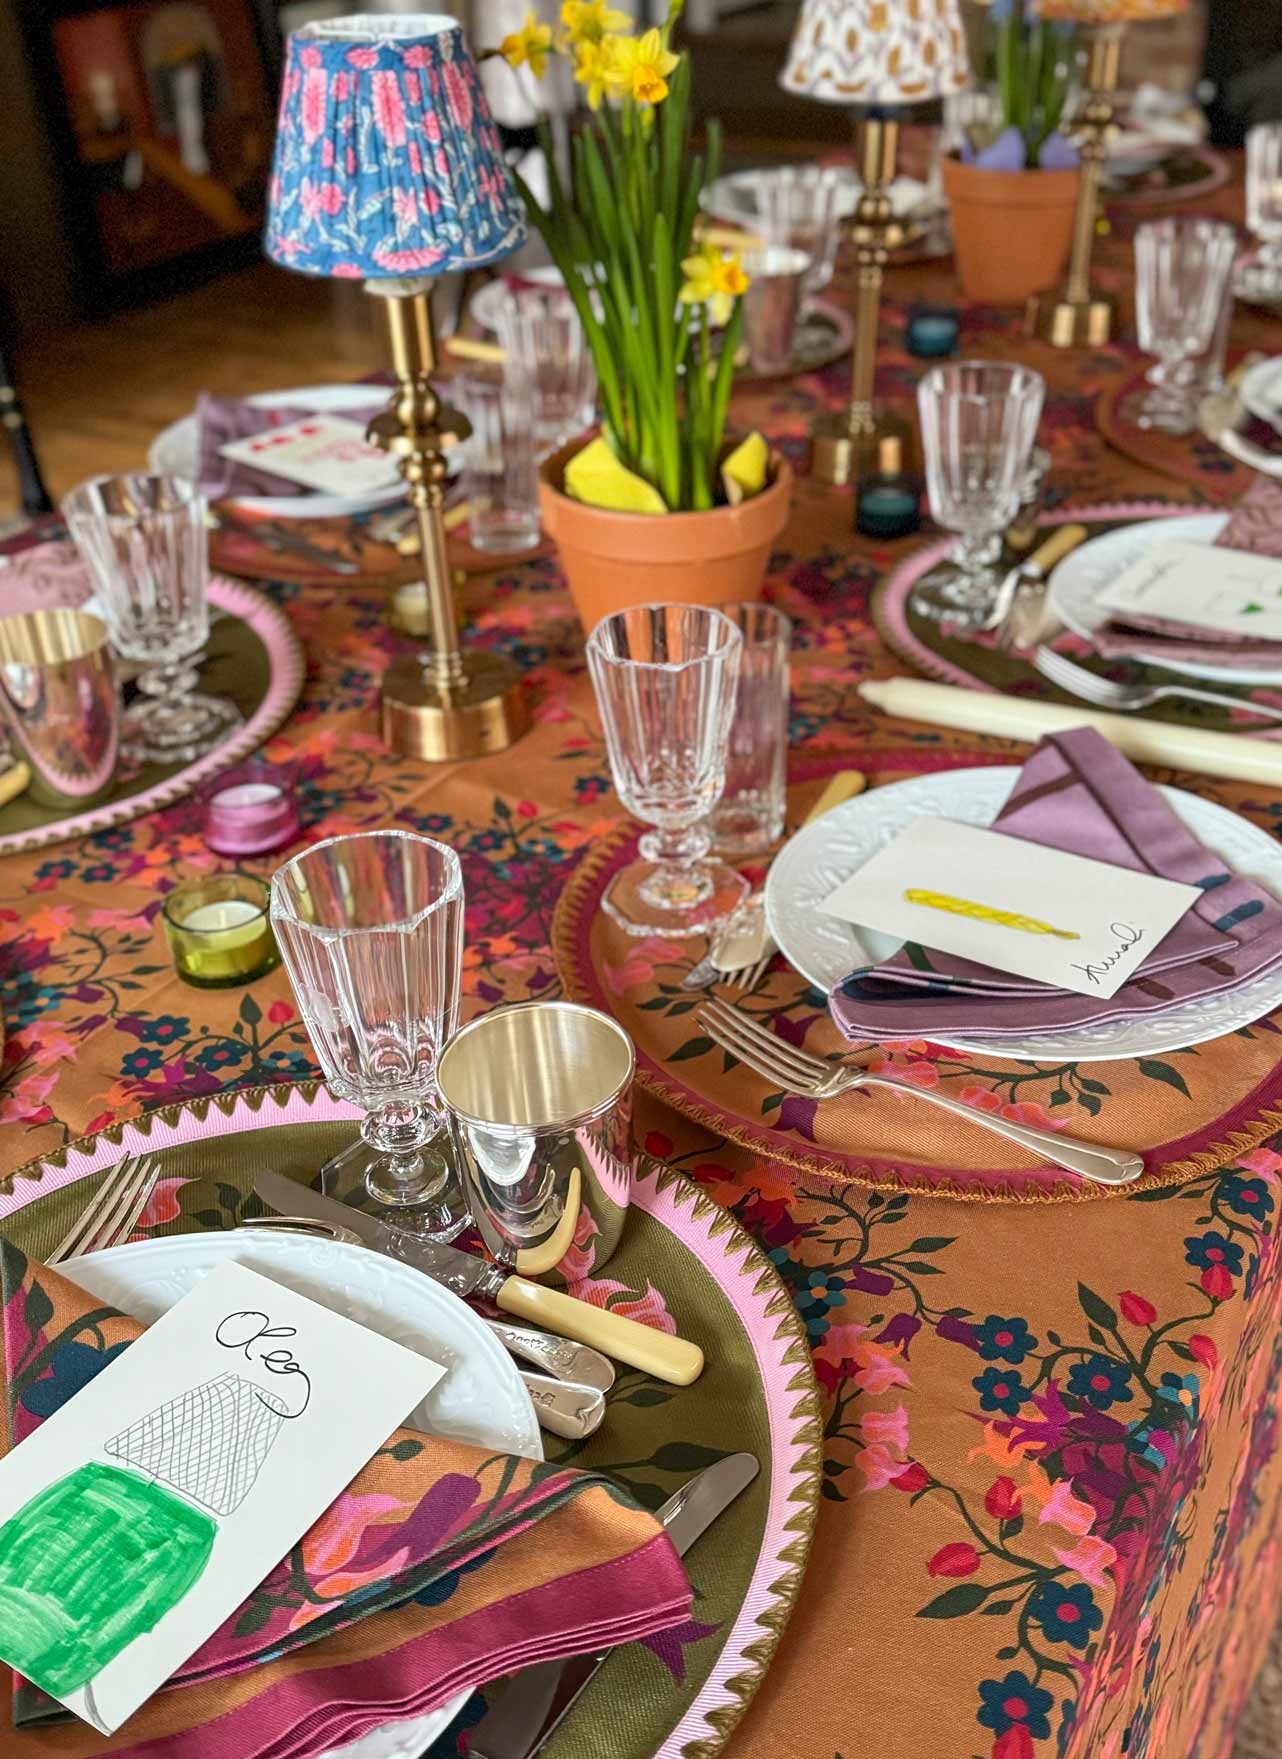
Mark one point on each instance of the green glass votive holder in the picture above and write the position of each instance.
(219, 931)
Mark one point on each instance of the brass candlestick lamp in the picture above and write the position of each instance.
(1078, 314)
(874, 56)
(389, 168)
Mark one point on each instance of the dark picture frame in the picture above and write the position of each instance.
(162, 115)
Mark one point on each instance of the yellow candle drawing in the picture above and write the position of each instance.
(986, 913)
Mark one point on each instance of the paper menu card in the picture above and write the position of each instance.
(1019, 907)
(135, 1520)
(1235, 592)
(322, 452)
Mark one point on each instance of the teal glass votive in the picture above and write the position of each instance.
(219, 930)
(932, 330)
(887, 505)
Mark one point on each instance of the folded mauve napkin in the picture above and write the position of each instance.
(1078, 793)
(220, 420)
(1255, 525)
(440, 1567)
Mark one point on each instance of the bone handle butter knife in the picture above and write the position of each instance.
(533, 1705)
(285, 543)
(463, 1273)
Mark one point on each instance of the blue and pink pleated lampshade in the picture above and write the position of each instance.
(388, 162)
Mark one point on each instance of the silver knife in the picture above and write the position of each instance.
(538, 1699)
(463, 1273)
(286, 543)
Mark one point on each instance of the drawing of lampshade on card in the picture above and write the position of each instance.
(99, 1557)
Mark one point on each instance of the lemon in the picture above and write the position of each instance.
(744, 472)
(595, 475)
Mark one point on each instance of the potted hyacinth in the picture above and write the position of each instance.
(1012, 185)
(660, 504)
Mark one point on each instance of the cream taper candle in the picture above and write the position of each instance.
(1234, 755)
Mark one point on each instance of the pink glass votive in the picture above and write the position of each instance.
(249, 810)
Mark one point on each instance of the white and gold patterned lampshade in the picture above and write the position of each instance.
(877, 51)
(1110, 11)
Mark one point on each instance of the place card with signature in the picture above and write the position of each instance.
(1019, 907)
(322, 452)
(1209, 586)
(139, 1516)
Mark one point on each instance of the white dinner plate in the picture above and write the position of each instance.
(1080, 579)
(826, 950)
(1260, 389)
(480, 1400)
(486, 303)
(173, 451)
(734, 198)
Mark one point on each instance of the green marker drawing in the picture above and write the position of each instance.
(1248, 610)
(92, 1561)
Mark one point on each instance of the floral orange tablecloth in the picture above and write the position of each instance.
(1052, 1481)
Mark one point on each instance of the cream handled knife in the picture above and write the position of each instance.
(464, 1274)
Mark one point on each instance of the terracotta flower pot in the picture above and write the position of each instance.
(615, 560)
(1012, 230)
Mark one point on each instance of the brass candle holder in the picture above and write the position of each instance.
(1079, 315)
(448, 702)
(844, 443)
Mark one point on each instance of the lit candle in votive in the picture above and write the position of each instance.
(219, 931)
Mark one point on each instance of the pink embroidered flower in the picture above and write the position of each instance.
(342, 85)
(334, 1539)
(890, 1427)
(982, 1098)
(310, 57)
(413, 89)
(1060, 1505)
(347, 272)
(878, 1369)
(1089, 1559)
(432, 127)
(416, 159)
(327, 154)
(878, 1465)
(578, 1262)
(389, 111)
(405, 262)
(457, 95)
(417, 55)
(350, 162)
(441, 163)
(315, 92)
(957, 1559)
(162, 1205)
(406, 207)
(648, 1309)
(361, 58)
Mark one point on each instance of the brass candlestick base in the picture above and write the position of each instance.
(839, 457)
(842, 445)
(1079, 316)
(450, 703)
(482, 711)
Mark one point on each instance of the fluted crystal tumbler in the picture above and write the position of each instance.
(665, 679)
(144, 542)
(370, 928)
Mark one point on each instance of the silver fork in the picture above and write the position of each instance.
(1090, 687)
(112, 1212)
(798, 1072)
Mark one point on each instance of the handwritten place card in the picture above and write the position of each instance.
(1209, 586)
(140, 1515)
(322, 452)
(1035, 912)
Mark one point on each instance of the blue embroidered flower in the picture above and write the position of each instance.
(118, 837)
(1000, 1390)
(1067, 1615)
(1182, 1390)
(164, 1029)
(1101, 1382)
(1004, 1340)
(1004, 1703)
(141, 1062)
(1246, 1196)
(486, 842)
(101, 873)
(62, 869)
(293, 1063)
(223, 1053)
(71, 1367)
(816, 1293)
(1141, 1440)
(1204, 1250)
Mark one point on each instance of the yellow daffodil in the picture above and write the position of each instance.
(589, 21)
(592, 69)
(530, 46)
(714, 281)
(641, 66)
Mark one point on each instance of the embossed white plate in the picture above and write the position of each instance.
(481, 1400)
(826, 950)
(1080, 579)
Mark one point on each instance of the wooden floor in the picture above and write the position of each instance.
(96, 395)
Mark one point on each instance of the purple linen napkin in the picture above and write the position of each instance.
(220, 420)
(1079, 794)
(1255, 525)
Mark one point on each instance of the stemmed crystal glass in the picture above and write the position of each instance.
(370, 928)
(978, 424)
(144, 542)
(1261, 276)
(1182, 270)
(665, 679)
(800, 209)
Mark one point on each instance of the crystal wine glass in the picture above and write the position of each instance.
(665, 679)
(1261, 276)
(370, 928)
(978, 424)
(144, 542)
(1182, 270)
